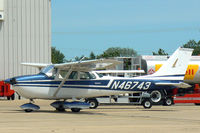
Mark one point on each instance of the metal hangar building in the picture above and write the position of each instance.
(25, 35)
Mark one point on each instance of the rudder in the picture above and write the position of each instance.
(176, 64)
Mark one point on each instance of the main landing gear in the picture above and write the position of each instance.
(93, 103)
(29, 107)
(60, 106)
(74, 106)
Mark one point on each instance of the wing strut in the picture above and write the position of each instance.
(62, 83)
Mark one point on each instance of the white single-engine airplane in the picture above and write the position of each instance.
(75, 81)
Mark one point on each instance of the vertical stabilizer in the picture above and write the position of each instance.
(176, 64)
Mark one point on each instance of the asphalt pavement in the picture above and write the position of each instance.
(105, 119)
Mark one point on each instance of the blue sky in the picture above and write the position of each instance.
(82, 26)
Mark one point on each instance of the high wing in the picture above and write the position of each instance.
(38, 65)
(87, 65)
(90, 64)
(120, 71)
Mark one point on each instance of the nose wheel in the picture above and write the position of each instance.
(28, 110)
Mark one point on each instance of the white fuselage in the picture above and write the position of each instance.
(38, 91)
(105, 86)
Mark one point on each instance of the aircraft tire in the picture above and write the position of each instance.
(60, 109)
(93, 103)
(13, 97)
(168, 101)
(28, 110)
(156, 96)
(198, 104)
(147, 103)
(8, 97)
(75, 109)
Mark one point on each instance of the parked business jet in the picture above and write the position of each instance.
(75, 81)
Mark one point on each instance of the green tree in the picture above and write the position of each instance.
(56, 56)
(118, 52)
(160, 52)
(92, 56)
(110, 52)
(193, 44)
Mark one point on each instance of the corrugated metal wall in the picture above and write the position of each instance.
(25, 36)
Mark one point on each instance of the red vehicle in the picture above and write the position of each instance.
(5, 91)
(193, 97)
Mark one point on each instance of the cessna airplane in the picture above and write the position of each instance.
(75, 81)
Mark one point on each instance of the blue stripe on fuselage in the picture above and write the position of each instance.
(33, 77)
(119, 85)
(87, 82)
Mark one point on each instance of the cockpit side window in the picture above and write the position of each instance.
(73, 75)
(62, 74)
(100, 75)
(93, 76)
(86, 75)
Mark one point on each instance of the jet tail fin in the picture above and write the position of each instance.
(176, 64)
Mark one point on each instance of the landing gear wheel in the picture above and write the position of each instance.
(60, 109)
(29, 107)
(156, 96)
(168, 101)
(75, 109)
(197, 104)
(13, 97)
(28, 110)
(8, 97)
(147, 104)
(93, 103)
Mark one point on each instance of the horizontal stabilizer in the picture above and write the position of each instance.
(178, 85)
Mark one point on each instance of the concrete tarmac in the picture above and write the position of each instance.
(104, 119)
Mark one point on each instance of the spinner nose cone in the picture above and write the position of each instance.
(11, 81)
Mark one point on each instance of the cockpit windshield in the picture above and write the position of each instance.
(53, 72)
(49, 71)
